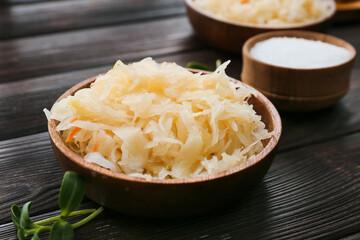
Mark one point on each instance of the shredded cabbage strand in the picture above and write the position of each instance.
(161, 121)
(268, 12)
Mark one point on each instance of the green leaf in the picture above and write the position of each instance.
(35, 237)
(15, 215)
(25, 222)
(61, 230)
(71, 193)
(88, 218)
(218, 63)
(21, 234)
(197, 65)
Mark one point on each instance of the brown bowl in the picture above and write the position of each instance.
(170, 198)
(293, 89)
(347, 11)
(230, 35)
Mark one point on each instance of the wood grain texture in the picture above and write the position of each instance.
(25, 163)
(23, 101)
(302, 129)
(298, 130)
(55, 53)
(310, 192)
(15, 2)
(352, 237)
(49, 54)
(56, 16)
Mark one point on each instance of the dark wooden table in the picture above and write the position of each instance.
(312, 190)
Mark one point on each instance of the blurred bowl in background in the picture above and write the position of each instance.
(348, 11)
(230, 35)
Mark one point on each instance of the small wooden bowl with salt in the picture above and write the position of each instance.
(297, 74)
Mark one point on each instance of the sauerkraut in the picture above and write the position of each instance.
(161, 121)
(268, 12)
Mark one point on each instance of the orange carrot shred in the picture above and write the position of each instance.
(73, 120)
(95, 148)
(72, 134)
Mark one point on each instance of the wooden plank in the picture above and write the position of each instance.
(23, 101)
(26, 2)
(306, 128)
(13, 2)
(309, 192)
(348, 32)
(28, 172)
(56, 53)
(23, 104)
(352, 237)
(67, 79)
(56, 16)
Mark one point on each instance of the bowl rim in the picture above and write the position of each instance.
(305, 35)
(191, 4)
(95, 169)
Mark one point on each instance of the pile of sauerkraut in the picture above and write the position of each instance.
(161, 121)
(269, 12)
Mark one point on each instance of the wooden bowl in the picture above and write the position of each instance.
(347, 11)
(171, 197)
(230, 35)
(293, 89)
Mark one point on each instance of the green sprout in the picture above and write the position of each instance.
(70, 196)
(218, 63)
(201, 66)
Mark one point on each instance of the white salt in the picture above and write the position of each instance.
(299, 53)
